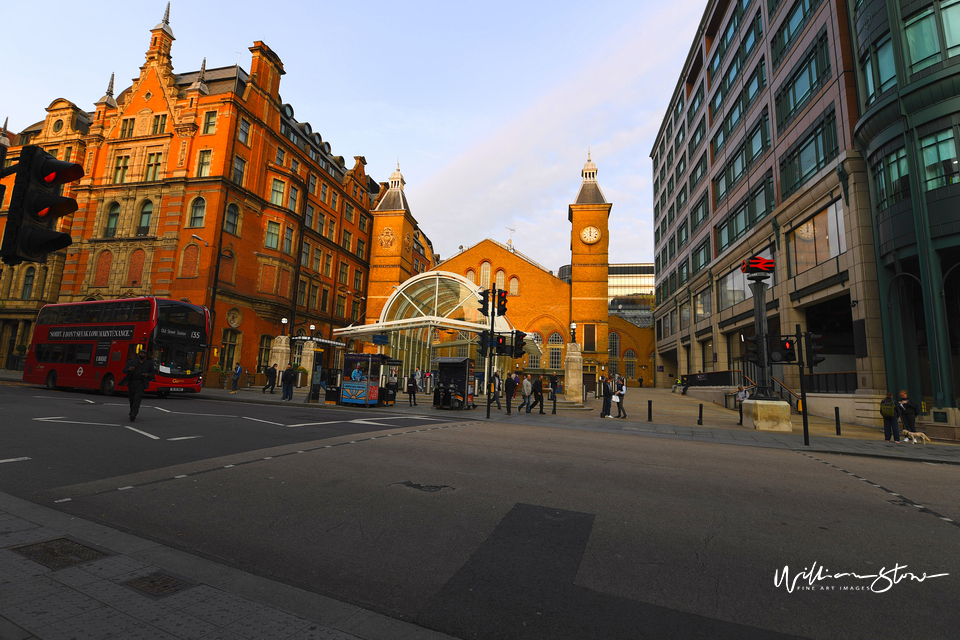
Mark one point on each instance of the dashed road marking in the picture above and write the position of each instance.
(14, 460)
(144, 433)
(183, 438)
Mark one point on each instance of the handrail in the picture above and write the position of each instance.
(752, 383)
(792, 392)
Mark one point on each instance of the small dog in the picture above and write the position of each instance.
(913, 435)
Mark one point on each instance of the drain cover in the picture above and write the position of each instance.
(59, 553)
(160, 585)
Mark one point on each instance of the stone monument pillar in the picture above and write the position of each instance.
(280, 352)
(573, 374)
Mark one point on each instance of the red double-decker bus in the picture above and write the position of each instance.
(85, 344)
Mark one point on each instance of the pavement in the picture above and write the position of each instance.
(117, 585)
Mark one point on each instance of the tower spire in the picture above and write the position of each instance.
(108, 98)
(165, 23)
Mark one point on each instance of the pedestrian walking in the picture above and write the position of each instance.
(495, 385)
(553, 385)
(607, 394)
(412, 390)
(510, 387)
(286, 382)
(527, 391)
(537, 394)
(235, 380)
(621, 393)
(138, 372)
(418, 377)
(271, 374)
(888, 411)
(908, 413)
(641, 382)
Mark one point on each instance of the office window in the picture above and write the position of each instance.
(273, 235)
(341, 306)
(288, 240)
(313, 296)
(323, 193)
(313, 184)
(815, 149)
(243, 133)
(281, 154)
(786, 35)
(923, 41)
(810, 74)
(347, 240)
(197, 211)
(697, 135)
(159, 124)
(702, 305)
(317, 258)
(294, 165)
(209, 122)
(355, 310)
(126, 127)
(358, 279)
(153, 166)
(146, 213)
(333, 200)
(817, 240)
(328, 265)
(891, 177)
(239, 167)
(324, 299)
(697, 172)
(361, 249)
(305, 255)
(332, 230)
(203, 163)
(342, 278)
(302, 293)
(308, 216)
(363, 223)
(741, 159)
(232, 220)
(276, 194)
(939, 155)
(683, 272)
(27, 291)
(292, 201)
(746, 214)
(348, 212)
(695, 103)
(263, 354)
(113, 217)
(120, 169)
(681, 234)
(734, 288)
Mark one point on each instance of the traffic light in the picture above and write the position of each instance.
(35, 205)
(484, 344)
(753, 351)
(518, 337)
(814, 347)
(788, 347)
(501, 302)
(484, 307)
(500, 345)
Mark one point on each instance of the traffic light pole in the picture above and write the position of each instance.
(803, 391)
(493, 314)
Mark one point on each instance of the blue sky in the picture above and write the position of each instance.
(489, 107)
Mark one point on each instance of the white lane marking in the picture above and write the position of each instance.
(144, 433)
(369, 422)
(162, 409)
(312, 424)
(90, 401)
(125, 488)
(60, 419)
(63, 500)
(14, 460)
(183, 438)
(266, 421)
(228, 466)
(181, 476)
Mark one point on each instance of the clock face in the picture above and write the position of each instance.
(590, 234)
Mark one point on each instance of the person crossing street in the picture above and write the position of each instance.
(138, 372)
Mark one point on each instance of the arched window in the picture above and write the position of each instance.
(232, 219)
(485, 275)
(197, 212)
(27, 290)
(135, 272)
(555, 338)
(630, 364)
(113, 217)
(514, 286)
(501, 278)
(535, 357)
(613, 345)
(191, 258)
(101, 276)
(556, 350)
(471, 276)
(146, 212)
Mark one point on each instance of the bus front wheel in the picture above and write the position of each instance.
(52, 380)
(107, 385)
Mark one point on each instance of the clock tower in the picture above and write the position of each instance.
(589, 248)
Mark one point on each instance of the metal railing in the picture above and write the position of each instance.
(786, 393)
(836, 382)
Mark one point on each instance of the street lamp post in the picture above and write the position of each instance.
(573, 332)
(284, 321)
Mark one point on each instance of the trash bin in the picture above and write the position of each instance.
(332, 396)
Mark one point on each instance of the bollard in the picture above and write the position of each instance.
(554, 403)
(740, 424)
(836, 413)
(649, 410)
(700, 419)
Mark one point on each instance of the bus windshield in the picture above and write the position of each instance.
(181, 338)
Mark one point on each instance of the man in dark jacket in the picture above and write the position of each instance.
(271, 374)
(607, 394)
(495, 385)
(908, 413)
(510, 386)
(138, 372)
(412, 390)
(286, 380)
(537, 394)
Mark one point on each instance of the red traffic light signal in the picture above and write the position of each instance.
(501, 302)
(500, 345)
(35, 205)
(518, 337)
(788, 347)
